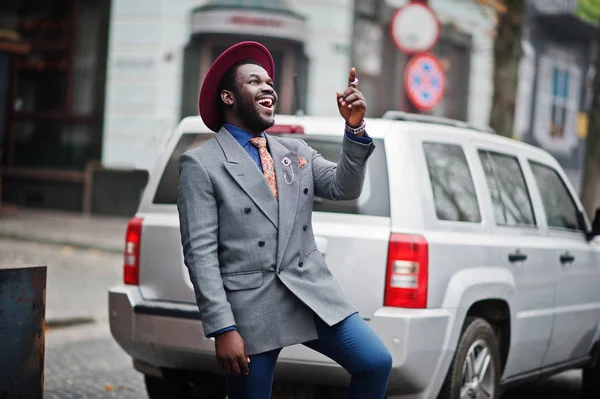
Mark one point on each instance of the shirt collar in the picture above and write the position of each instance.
(240, 135)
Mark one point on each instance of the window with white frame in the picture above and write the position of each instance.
(559, 84)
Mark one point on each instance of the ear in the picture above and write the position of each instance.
(227, 97)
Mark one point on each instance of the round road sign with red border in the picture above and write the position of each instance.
(415, 28)
(425, 81)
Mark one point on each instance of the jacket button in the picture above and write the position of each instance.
(306, 191)
(278, 271)
(247, 210)
(261, 243)
(300, 264)
(304, 227)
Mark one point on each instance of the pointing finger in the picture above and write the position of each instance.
(352, 77)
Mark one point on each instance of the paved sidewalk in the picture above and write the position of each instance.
(105, 233)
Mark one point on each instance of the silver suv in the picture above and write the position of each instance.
(468, 254)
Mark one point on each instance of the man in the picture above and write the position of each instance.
(245, 203)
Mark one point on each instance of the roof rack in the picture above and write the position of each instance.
(406, 116)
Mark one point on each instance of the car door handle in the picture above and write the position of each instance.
(567, 258)
(517, 257)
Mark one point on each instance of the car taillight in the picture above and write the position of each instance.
(297, 129)
(407, 272)
(131, 255)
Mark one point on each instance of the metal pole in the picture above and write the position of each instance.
(409, 106)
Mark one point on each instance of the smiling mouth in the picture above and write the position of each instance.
(266, 102)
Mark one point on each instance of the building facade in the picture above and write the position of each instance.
(555, 80)
(159, 52)
(90, 89)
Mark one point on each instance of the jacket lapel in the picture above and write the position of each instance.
(288, 186)
(244, 171)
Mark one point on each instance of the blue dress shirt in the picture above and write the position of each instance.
(243, 137)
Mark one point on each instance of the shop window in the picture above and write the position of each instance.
(55, 101)
(560, 96)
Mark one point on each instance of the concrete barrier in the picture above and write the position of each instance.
(22, 337)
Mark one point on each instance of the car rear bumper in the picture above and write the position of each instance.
(168, 335)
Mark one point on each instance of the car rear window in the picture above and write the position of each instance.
(166, 192)
(374, 200)
(375, 197)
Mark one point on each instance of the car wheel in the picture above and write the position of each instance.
(590, 384)
(161, 388)
(178, 386)
(476, 367)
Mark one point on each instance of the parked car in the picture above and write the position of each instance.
(469, 254)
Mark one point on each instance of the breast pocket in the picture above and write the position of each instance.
(311, 252)
(242, 281)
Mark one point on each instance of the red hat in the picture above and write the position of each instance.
(207, 103)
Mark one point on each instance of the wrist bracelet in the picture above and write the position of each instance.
(356, 130)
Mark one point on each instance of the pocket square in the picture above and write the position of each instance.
(303, 162)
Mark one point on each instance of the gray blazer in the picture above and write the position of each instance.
(253, 260)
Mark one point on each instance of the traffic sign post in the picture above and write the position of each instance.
(415, 28)
(424, 81)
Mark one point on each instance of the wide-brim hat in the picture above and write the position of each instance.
(207, 102)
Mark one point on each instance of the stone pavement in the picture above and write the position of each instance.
(105, 233)
(90, 366)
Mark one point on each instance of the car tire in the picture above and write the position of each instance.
(178, 386)
(590, 382)
(476, 366)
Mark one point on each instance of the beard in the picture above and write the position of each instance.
(247, 112)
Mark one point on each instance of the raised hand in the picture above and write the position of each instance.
(351, 103)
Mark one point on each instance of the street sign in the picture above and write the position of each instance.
(415, 28)
(424, 81)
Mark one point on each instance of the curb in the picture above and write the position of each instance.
(58, 242)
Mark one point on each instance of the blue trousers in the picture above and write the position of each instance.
(351, 343)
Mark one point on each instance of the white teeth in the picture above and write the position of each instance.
(267, 102)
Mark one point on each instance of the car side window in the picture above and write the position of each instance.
(560, 208)
(508, 190)
(452, 184)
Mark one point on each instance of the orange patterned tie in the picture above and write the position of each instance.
(266, 160)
